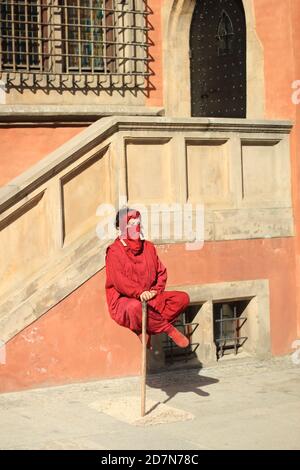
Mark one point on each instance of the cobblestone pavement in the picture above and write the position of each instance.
(237, 404)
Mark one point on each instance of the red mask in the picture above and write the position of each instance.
(131, 231)
(134, 231)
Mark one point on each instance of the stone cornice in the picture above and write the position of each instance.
(50, 114)
(104, 128)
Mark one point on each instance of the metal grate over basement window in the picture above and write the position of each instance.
(228, 326)
(187, 325)
(74, 37)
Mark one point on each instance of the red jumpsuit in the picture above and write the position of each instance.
(127, 276)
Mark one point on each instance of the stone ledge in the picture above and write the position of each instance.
(103, 128)
(67, 114)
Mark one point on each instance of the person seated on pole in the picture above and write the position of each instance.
(134, 273)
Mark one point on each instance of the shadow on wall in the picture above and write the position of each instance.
(83, 84)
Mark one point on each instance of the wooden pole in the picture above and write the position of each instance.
(144, 358)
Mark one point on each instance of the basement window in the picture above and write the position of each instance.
(187, 325)
(229, 320)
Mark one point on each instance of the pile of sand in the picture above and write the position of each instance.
(128, 410)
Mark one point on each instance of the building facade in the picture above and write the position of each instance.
(170, 105)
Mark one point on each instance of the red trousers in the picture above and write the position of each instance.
(129, 312)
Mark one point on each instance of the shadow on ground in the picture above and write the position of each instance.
(188, 381)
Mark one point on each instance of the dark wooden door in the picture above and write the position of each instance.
(218, 59)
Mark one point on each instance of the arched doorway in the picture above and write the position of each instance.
(218, 59)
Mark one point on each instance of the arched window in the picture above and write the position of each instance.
(218, 59)
(74, 36)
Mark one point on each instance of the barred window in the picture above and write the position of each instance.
(19, 36)
(74, 36)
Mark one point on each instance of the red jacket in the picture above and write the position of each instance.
(128, 275)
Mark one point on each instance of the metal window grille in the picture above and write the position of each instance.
(187, 326)
(74, 37)
(228, 323)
